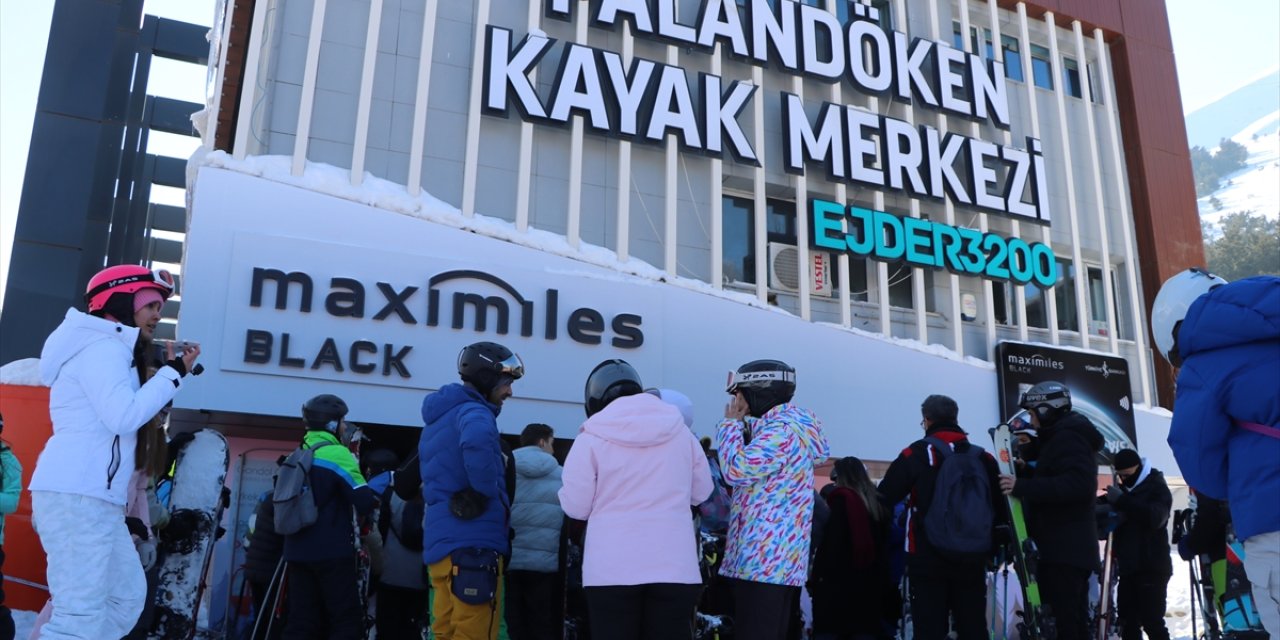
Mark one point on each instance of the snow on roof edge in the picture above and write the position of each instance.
(390, 196)
(22, 373)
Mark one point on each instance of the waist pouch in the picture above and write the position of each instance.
(475, 575)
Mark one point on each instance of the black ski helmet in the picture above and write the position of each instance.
(1048, 400)
(485, 364)
(610, 380)
(379, 460)
(764, 384)
(324, 411)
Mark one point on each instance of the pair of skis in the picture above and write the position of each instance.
(1036, 621)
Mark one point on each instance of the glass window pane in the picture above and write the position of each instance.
(1071, 78)
(1065, 293)
(886, 14)
(781, 221)
(1040, 67)
(1012, 58)
(739, 240)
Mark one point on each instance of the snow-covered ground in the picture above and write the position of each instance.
(1177, 614)
(1256, 187)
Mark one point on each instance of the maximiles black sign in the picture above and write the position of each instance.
(1100, 386)
(461, 300)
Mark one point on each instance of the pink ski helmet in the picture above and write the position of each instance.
(126, 278)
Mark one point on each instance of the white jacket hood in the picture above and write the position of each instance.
(78, 331)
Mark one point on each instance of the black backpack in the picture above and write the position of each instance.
(960, 519)
(408, 530)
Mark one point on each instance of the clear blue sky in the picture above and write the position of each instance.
(1219, 47)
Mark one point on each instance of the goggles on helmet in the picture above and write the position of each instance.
(757, 378)
(161, 278)
(512, 367)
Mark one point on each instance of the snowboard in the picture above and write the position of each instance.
(1035, 620)
(186, 544)
(1240, 618)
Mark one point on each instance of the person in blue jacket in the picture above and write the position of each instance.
(466, 529)
(1225, 432)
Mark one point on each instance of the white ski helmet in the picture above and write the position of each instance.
(1170, 307)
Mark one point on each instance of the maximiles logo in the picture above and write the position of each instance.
(469, 304)
(1035, 361)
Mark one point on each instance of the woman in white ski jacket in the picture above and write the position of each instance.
(94, 364)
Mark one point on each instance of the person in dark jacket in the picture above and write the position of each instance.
(850, 585)
(264, 557)
(1059, 496)
(1143, 501)
(941, 587)
(323, 597)
(464, 483)
(402, 592)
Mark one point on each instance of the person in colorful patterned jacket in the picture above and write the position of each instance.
(768, 449)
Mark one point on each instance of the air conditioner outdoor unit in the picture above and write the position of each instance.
(784, 269)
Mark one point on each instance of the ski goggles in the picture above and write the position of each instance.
(756, 378)
(512, 367)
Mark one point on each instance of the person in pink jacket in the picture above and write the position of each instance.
(634, 474)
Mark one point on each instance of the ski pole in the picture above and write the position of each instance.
(1195, 595)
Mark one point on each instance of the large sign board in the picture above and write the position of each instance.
(293, 293)
(649, 101)
(1099, 383)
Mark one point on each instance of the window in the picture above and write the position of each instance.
(900, 276)
(1071, 78)
(1041, 70)
(1094, 89)
(958, 43)
(1012, 58)
(1097, 312)
(844, 12)
(1065, 295)
(739, 240)
(1002, 300)
(738, 233)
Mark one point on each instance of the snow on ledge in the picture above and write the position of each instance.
(390, 196)
(22, 373)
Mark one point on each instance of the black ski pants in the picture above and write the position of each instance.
(324, 601)
(659, 611)
(762, 611)
(402, 612)
(534, 605)
(945, 591)
(1140, 604)
(1066, 590)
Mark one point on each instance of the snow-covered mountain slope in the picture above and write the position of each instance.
(1256, 187)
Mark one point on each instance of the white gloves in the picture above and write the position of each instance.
(146, 552)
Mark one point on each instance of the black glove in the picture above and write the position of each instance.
(136, 528)
(468, 504)
(1114, 493)
(178, 365)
